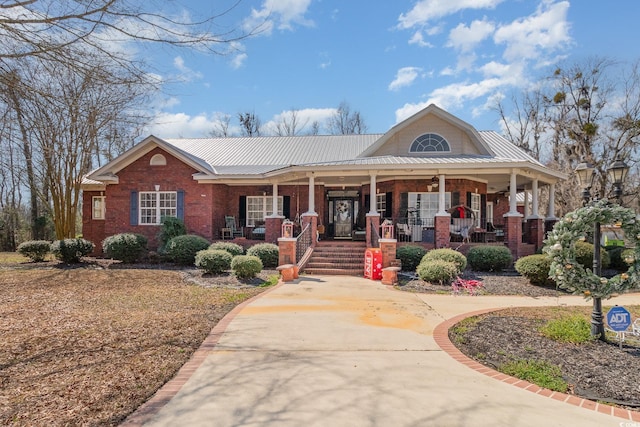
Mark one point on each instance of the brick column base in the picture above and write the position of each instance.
(287, 250)
(536, 231)
(513, 231)
(388, 248)
(311, 218)
(272, 228)
(373, 220)
(442, 228)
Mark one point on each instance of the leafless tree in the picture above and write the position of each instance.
(250, 124)
(346, 122)
(289, 123)
(221, 126)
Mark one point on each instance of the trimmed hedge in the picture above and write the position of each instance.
(71, 250)
(584, 255)
(125, 247)
(183, 249)
(214, 261)
(233, 248)
(171, 227)
(536, 269)
(268, 253)
(449, 255)
(246, 266)
(437, 271)
(36, 250)
(410, 256)
(489, 258)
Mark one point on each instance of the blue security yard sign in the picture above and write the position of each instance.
(618, 318)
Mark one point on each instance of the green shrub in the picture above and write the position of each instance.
(183, 249)
(617, 255)
(71, 250)
(628, 255)
(36, 250)
(437, 271)
(233, 248)
(214, 261)
(536, 269)
(489, 258)
(584, 255)
(171, 227)
(410, 256)
(246, 266)
(447, 255)
(125, 247)
(268, 253)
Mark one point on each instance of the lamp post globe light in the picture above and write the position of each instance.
(586, 172)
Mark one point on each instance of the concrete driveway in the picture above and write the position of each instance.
(346, 351)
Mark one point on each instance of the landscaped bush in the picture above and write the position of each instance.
(267, 252)
(36, 250)
(246, 266)
(233, 248)
(536, 269)
(183, 249)
(171, 227)
(71, 250)
(584, 255)
(447, 255)
(437, 271)
(489, 258)
(410, 256)
(214, 261)
(617, 257)
(125, 247)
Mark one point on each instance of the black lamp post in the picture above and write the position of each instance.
(586, 172)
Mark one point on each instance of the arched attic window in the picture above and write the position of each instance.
(430, 143)
(158, 160)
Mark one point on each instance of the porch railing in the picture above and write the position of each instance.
(375, 236)
(303, 242)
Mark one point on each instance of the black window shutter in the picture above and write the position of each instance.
(388, 213)
(242, 214)
(404, 207)
(455, 198)
(483, 210)
(367, 201)
(133, 208)
(180, 205)
(286, 206)
(469, 199)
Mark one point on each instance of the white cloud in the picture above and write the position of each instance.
(305, 118)
(280, 14)
(466, 38)
(408, 110)
(187, 74)
(238, 60)
(546, 30)
(430, 10)
(418, 39)
(181, 125)
(405, 77)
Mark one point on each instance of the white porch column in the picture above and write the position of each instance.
(535, 202)
(312, 187)
(442, 207)
(526, 203)
(372, 195)
(551, 211)
(513, 203)
(274, 203)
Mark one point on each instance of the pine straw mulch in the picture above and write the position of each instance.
(88, 344)
(596, 370)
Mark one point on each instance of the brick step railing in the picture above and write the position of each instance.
(337, 258)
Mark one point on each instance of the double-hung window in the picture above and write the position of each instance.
(381, 203)
(260, 207)
(475, 207)
(98, 207)
(156, 205)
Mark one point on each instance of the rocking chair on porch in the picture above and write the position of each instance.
(230, 223)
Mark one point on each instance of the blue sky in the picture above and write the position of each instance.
(386, 59)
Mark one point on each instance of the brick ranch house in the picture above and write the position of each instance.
(421, 175)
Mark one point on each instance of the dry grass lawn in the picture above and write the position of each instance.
(87, 346)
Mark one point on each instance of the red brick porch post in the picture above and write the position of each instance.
(513, 230)
(373, 220)
(536, 231)
(287, 250)
(272, 228)
(388, 248)
(442, 225)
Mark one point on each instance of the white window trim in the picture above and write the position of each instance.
(158, 208)
(381, 203)
(267, 204)
(102, 205)
(477, 212)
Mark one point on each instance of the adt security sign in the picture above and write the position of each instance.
(618, 318)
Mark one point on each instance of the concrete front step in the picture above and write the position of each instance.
(337, 258)
(334, 271)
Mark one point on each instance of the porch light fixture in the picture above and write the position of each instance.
(157, 187)
(586, 173)
(435, 181)
(287, 228)
(617, 172)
